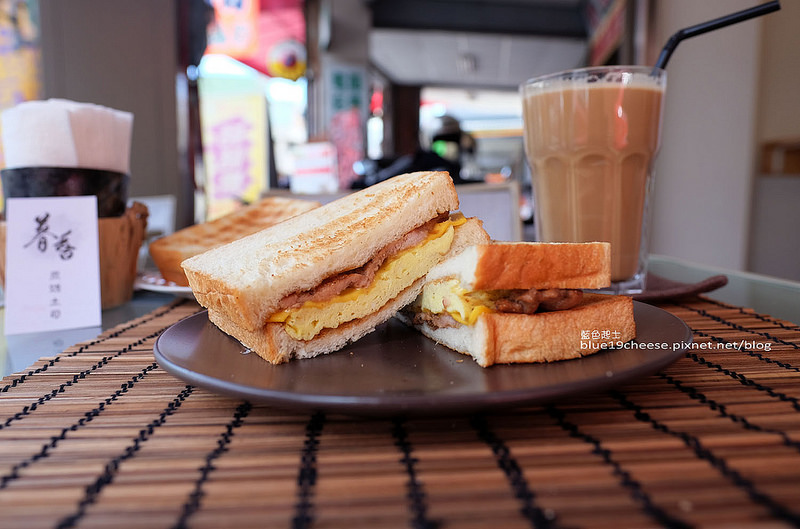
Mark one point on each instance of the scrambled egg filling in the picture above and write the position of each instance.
(450, 297)
(395, 275)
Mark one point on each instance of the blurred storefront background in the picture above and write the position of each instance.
(358, 90)
(20, 66)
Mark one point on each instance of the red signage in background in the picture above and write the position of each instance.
(268, 35)
(607, 27)
(347, 135)
(348, 108)
(234, 31)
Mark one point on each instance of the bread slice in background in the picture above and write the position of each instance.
(513, 265)
(170, 251)
(504, 338)
(245, 280)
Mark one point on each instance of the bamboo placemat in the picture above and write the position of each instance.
(101, 436)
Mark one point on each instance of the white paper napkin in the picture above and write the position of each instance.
(64, 133)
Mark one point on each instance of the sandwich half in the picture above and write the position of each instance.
(327, 277)
(521, 302)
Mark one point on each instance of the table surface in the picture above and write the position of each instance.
(771, 295)
(98, 434)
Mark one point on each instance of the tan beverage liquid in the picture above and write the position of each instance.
(591, 149)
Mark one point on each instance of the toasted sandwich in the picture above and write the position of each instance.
(523, 302)
(170, 251)
(327, 277)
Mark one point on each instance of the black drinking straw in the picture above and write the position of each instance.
(711, 25)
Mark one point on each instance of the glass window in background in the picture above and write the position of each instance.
(491, 120)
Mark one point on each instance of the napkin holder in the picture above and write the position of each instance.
(110, 187)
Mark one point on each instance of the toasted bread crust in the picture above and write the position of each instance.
(499, 338)
(468, 234)
(170, 251)
(517, 265)
(244, 281)
(273, 344)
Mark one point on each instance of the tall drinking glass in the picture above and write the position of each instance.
(591, 138)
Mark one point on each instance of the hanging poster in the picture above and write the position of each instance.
(268, 35)
(234, 128)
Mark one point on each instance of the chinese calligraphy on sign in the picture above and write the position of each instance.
(61, 244)
(52, 264)
(55, 289)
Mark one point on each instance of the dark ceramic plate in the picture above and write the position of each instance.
(152, 281)
(397, 371)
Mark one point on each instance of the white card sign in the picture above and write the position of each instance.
(52, 264)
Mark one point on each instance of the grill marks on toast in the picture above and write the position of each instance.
(243, 282)
(170, 251)
(362, 276)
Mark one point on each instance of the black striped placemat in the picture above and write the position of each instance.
(101, 436)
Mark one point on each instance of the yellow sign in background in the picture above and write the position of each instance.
(20, 68)
(234, 128)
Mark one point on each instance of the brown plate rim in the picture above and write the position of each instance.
(195, 359)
